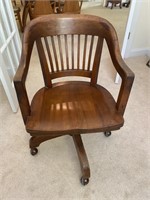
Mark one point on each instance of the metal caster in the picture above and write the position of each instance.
(84, 181)
(107, 134)
(34, 151)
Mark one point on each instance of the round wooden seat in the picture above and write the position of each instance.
(74, 106)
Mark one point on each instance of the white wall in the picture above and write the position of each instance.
(148, 30)
(139, 42)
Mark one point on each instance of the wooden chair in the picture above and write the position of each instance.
(114, 3)
(28, 5)
(42, 7)
(17, 11)
(15, 2)
(73, 6)
(36, 8)
(69, 47)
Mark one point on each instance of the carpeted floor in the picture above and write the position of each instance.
(120, 164)
(118, 17)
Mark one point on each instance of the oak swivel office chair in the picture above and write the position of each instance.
(70, 45)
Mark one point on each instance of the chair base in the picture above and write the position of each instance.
(36, 141)
(82, 158)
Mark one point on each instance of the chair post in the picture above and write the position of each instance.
(82, 158)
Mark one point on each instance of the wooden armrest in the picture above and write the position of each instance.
(127, 77)
(127, 80)
(123, 70)
(19, 82)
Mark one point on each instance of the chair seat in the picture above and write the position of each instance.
(73, 107)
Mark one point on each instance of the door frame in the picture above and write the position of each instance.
(10, 51)
(127, 33)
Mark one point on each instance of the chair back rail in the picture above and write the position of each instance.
(75, 54)
(64, 55)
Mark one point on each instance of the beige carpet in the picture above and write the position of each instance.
(120, 164)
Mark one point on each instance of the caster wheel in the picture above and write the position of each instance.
(34, 151)
(107, 134)
(84, 181)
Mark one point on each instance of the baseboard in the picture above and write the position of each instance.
(138, 52)
(148, 53)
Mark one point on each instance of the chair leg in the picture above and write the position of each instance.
(82, 158)
(107, 4)
(20, 22)
(120, 6)
(25, 14)
(148, 63)
(112, 5)
(35, 141)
